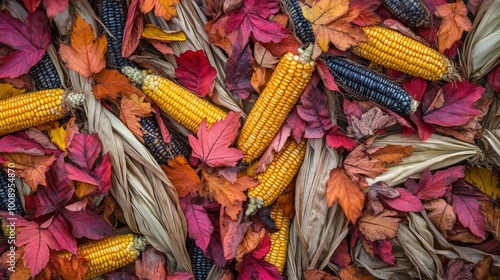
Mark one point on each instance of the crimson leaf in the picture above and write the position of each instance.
(80, 221)
(437, 184)
(239, 70)
(314, 110)
(406, 202)
(195, 73)
(199, 226)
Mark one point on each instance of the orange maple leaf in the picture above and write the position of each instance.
(249, 243)
(163, 8)
(359, 165)
(229, 195)
(111, 83)
(379, 227)
(73, 268)
(30, 168)
(286, 199)
(182, 176)
(132, 109)
(341, 189)
(86, 53)
(454, 23)
(391, 154)
(354, 272)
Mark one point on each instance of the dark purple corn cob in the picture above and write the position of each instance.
(411, 12)
(9, 198)
(201, 265)
(44, 74)
(302, 27)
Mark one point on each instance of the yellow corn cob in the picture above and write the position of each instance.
(24, 111)
(180, 104)
(278, 174)
(281, 93)
(110, 253)
(394, 50)
(279, 240)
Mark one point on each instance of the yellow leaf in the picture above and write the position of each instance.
(58, 136)
(8, 91)
(163, 8)
(324, 11)
(154, 32)
(486, 180)
(82, 189)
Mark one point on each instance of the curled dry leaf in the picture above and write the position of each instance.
(379, 227)
(370, 122)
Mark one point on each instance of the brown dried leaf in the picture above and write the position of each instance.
(462, 234)
(132, 109)
(359, 164)
(482, 269)
(260, 77)
(441, 214)
(355, 273)
(370, 122)
(314, 274)
(391, 154)
(263, 57)
(379, 227)
(492, 217)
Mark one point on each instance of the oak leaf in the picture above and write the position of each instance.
(195, 73)
(30, 168)
(379, 227)
(85, 54)
(182, 175)
(111, 83)
(162, 8)
(229, 195)
(441, 214)
(454, 23)
(341, 189)
(391, 154)
(132, 109)
(212, 145)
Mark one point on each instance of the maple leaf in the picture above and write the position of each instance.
(366, 11)
(37, 241)
(436, 185)
(254, 266)
(232, 232)
(251, 18)
(313, 109)
(379, 227)
(80, 221)
(83, 152)
(85, 54)
(341, 255)
(314, 274)
(61, 230)
(341, 189)
(28, 40)
(63, 268)
(469, 213)
(163, 8)
(212, 145)
(132, 109)
(454, 23)
(111, 83)
(199, 226)
(239, 69)
(441, 214)
(182, 176)
(358, 163)
(195, 73)
(458, 106)
(30, 168)
(134, 25)
(229, 195)
(391, 154)
(370, 122)
(8, 90)
(337, 139)
(151, 265)
(250, 241)
(405, 202)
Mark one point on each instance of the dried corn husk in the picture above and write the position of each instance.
(481, 51)
(190, 19)
(317, 230)
(436, 152)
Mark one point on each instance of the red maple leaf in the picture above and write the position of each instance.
(212, 145)
(84, 151)
(28, 40)
(61, 230)
(436, 185)
(200, 228)
(195, 73)
(458, 106)
(239, 70)
(313, 109)
(80, 221)
(336, 139)
(405, 202)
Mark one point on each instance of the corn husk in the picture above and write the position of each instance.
(481, 52)
(317, 229)
(436, 152)
(190, 19)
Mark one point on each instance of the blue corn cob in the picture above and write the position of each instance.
(201, 264)
(44, 74)
(161, 151)
(302, 27)
(9, 198)
(411, 12)
(368, 84)
(112, 15)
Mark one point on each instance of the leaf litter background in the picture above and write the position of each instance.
(372, 204)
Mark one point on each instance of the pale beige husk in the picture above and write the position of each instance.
(317, 229)
(481, 52)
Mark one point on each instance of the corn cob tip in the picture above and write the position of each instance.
(135, 75)
(254, 204)
(74, 99)
(305, 55)
(413, 106)
(452, 73)
(140, 243)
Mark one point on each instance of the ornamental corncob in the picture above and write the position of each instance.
(201, 265)
(180, 104)
(278, 174)
(27, 110)
(279, 240)
(411, 12)
(394, 50)
(153, 140)
(109, 253)
(282, 92)
(301, 26)
(9, 198)
(44, 74)
(368, 84)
